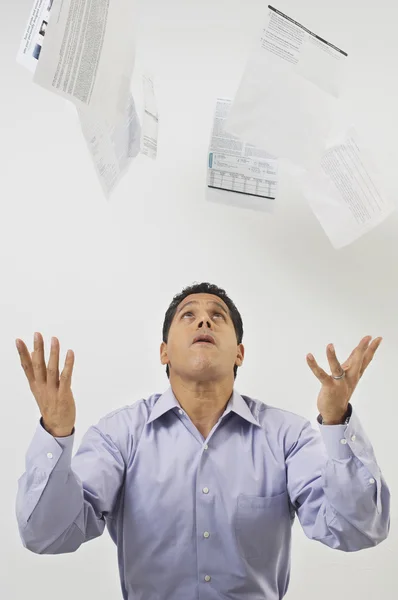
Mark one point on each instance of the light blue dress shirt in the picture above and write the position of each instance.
(203, 519)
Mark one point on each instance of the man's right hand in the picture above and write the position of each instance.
(51, 390)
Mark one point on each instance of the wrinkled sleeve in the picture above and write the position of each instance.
(63, 502)
(337, 488)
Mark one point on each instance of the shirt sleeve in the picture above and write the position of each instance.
(63, 502)
(337, 488)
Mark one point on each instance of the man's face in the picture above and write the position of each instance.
(202, 343)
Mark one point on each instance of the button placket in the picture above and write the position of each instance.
(206, 537)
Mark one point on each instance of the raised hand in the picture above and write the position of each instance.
(338, 387)
(51, 390)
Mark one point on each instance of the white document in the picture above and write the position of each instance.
(345, 192)
(287, 97)
(88, 54)
(150, 120)
(112, 142)
(112, 147)
(32, 41)
(235, 166)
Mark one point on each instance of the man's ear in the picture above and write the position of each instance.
(240, 355)
(164, 359)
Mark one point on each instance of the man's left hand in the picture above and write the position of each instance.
(335, 394)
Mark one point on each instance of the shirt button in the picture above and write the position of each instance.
(206, 447)
(205, 490)
(181, 412)
(207, 578)
(371, 480)
(353, 438)
(343, 441)
(206, 534)
(49, 455)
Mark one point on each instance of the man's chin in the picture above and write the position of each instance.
(202, 374)
(204, 371)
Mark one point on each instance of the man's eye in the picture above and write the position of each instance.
(187, 314)
(218, 315)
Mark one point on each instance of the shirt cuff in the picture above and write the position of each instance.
(47, 453)
(334, 437)
(335, 440)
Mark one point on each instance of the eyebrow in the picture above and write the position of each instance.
(218, 304)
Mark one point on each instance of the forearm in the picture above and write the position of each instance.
(358, 505)
(354, 488)
(53, 516)
(337, 488)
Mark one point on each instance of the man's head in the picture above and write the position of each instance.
(202, 334)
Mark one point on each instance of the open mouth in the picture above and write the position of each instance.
(204, 339)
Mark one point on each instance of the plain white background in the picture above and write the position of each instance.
(100, 275)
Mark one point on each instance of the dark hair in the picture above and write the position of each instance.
(203, 288)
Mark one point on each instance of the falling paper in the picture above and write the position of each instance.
(112, 142)
(287, 97)
(112, 147)
(150, 121)
(344, 191)
(87, 55)
(238, 167)
(33, 38)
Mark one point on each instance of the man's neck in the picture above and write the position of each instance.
(204, 402)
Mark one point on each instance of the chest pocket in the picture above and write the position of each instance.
(262, 525)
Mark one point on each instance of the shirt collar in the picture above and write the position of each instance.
(163, 404)
(236, 404)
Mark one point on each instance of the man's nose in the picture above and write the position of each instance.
(204, 323)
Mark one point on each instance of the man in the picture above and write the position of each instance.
(199, 487)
